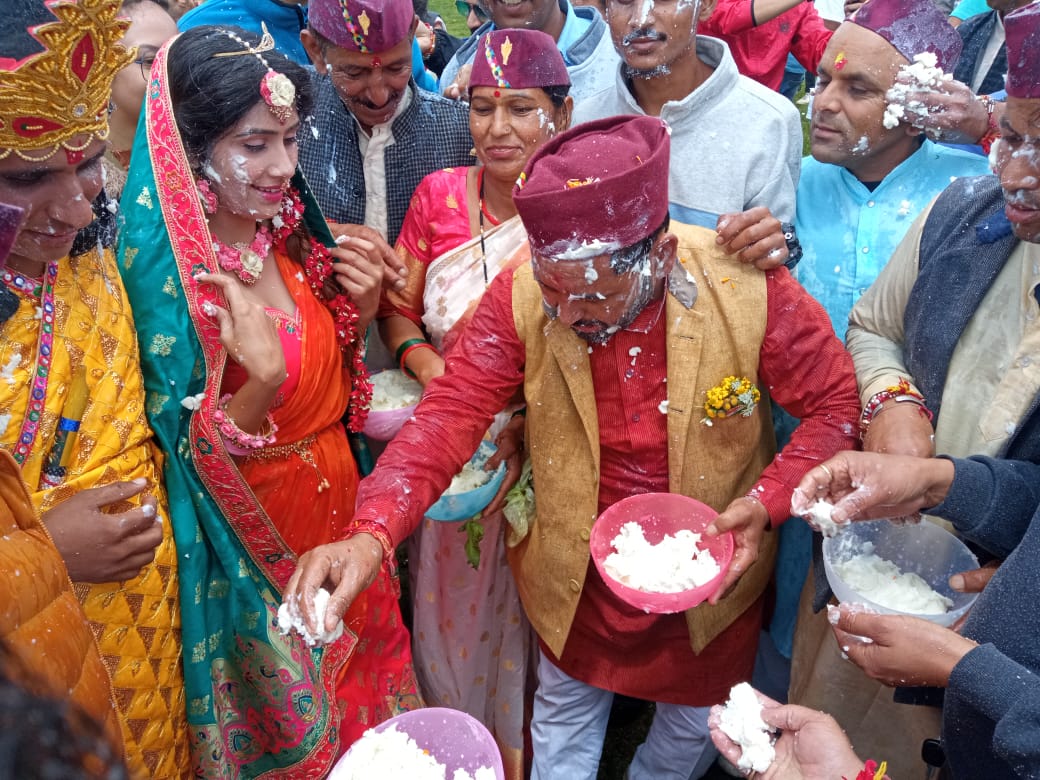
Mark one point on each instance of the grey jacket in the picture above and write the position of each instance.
(735, 143)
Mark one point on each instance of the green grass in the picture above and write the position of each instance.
(455, 22)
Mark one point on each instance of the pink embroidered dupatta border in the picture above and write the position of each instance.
(193, 253)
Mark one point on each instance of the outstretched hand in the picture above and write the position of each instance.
(344, 568)
(870, 486)
(949, 112)
(811, 745)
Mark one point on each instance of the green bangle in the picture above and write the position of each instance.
(403, 347)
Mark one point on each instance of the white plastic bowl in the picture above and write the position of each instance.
(924, 548)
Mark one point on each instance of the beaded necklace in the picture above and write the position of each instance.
(38, 395)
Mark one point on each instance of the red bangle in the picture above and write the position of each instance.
(901, 392)
(410, 350)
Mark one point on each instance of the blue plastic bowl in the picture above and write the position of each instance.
(463, 506)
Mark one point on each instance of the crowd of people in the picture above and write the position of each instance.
(589, 234)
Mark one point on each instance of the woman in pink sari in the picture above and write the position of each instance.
(471, 641)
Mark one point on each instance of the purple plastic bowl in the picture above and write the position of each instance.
(455, 739)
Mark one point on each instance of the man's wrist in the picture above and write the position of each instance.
(939, 474)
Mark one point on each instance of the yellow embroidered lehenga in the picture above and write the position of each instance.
(78, 321)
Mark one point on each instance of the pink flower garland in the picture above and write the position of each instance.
(318, 268)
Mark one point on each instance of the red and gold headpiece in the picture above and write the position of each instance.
(58, 98)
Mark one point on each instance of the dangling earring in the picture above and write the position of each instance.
(206, 195)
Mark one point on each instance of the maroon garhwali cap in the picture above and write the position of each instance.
(596, 188)
(1022, 34)
(367, 26)
(912, 27)
(518, 59)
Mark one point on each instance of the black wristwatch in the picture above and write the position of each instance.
(794, 246)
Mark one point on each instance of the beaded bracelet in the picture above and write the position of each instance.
(237, 441)
(899, 393)
(408, 348)
(992, 131)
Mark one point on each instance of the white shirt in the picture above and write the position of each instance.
(373, 161)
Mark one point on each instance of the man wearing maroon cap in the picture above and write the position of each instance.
(627, 360)
(375, 134)
(952, 322)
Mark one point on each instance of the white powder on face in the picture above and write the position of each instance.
(470, 478)
(819, 517)
(672, 566)
(394, 390)
(882, 582)
(922, 76)
(393, 754)
(741, 721)
(290, 618)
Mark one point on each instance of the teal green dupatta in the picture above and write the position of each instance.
(259, 703)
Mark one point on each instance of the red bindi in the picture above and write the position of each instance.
(497, 93)
(376, 62)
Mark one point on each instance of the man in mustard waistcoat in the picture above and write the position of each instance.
(641, 374)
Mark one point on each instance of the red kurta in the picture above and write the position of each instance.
(612, 645)
(761, 51)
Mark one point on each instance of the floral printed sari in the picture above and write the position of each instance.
(259, 703)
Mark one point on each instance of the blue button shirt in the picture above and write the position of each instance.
(848, 232)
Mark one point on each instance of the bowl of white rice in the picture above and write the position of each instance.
(899, 569)
(471, 489)
(394, 398)
(434, 743)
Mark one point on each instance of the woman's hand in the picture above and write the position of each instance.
(101, 546)
(246, 332)
(510, 444)
(359, 271)
(344, 568)
(394, 271)
(811, 746)
(903, 650)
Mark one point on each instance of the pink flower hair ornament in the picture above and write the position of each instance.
(279, 93)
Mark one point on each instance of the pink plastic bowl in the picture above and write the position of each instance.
(384, 425)
(660, 514)
(455, 739)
